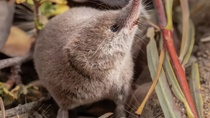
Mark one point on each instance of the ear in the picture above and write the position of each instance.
(71, 54)
(67, 52)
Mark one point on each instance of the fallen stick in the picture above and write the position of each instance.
(22, 109)
(15, 61)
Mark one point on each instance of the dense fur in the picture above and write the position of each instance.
(80, 60)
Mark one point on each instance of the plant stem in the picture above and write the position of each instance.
(160, 12)
(178, 69)
(36, 13)
(168, 42)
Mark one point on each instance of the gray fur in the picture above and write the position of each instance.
(81, 61)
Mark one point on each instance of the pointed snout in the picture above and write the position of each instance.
(133, 12)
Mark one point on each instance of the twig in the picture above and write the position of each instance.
(14, 77)
(22, 109)
(153, 25)
(15, 61)
(6, 13)
(162, 18)
(15, 73)
(36, 83)
(168, 41)
(160, 63)
(207, 39)
(36, 14)
(2, 108)
(178, 69)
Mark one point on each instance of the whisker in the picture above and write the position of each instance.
(147, 4)
(135, 99)
(133, 109)
(131, 113)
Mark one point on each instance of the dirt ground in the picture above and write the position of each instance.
(204, 64)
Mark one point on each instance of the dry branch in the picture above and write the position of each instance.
(14, 77)
(15, 61)
(22, 109)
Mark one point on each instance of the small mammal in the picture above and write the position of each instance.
(84, 55)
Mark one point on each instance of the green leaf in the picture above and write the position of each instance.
(162, 88)
(190, 43)
(194, 83)
(30, 2)
(47, 8)
(175, 85)
(7, 95)
(38, 24)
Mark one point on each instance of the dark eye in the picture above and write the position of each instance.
(114, 28)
